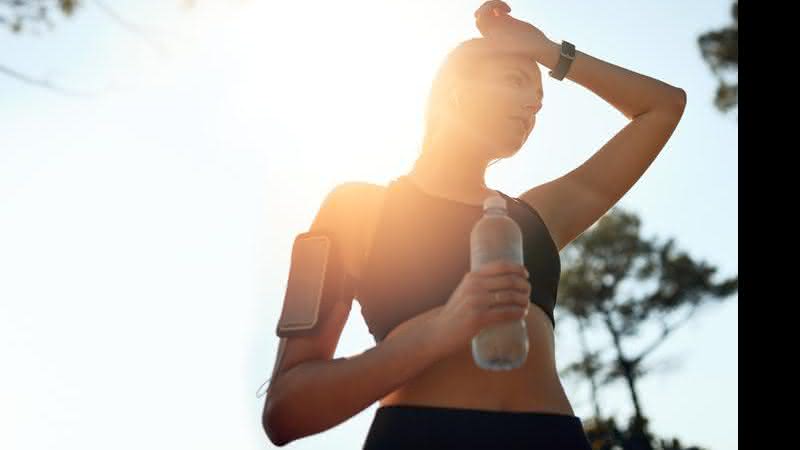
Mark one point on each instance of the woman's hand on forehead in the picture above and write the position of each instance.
(510, 34)
(490, 7)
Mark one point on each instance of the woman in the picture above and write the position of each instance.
(406, 250)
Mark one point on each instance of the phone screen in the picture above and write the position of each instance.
(304, 287)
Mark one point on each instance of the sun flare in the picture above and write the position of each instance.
(342, 91)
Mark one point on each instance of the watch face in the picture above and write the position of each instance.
(568, 49)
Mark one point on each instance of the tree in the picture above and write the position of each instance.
(23, 16)
(667, 286)
(30, 15)
(720, 49)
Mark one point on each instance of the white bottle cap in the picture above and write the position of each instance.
(495, 201)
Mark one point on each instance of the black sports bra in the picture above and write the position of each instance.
(420, 252)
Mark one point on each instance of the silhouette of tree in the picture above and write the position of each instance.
(30, 15)
(665, 289)
(720, 49)
(605, 434)
(588, 366)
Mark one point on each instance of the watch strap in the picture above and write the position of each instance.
(565, 58)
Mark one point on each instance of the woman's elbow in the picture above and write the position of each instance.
(678, 101)
(273, 430)
(671, 103)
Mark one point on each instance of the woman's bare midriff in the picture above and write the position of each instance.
(457, 382)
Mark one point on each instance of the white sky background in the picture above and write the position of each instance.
(145, 232)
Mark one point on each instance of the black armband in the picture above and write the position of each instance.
(317, 280)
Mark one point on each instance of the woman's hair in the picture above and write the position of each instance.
(462, 63)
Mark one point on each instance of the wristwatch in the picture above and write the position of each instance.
(565, 59)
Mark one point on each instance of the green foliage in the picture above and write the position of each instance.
(605, 434)
(720, 49)
(626, 286)
(31, 15)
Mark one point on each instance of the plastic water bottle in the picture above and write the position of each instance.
(495, 236)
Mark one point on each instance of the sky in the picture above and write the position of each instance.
(146, 223)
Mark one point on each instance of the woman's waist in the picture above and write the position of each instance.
(457, 381)
(552, 400)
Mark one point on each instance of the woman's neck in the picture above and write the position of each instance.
(453, 173)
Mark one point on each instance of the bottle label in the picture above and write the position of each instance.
(481, 256)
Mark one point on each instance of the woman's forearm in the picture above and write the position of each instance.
(629, 92)
(317, 395)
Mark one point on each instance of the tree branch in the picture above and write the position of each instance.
(42, 83)
(132, 28)
(666, 331)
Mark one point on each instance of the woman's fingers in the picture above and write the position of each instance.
(501, 8)
(490, 6)
(496, 7)
(492, 18)
(507, 298)
(507, 282)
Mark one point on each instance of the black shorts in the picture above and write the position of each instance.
(432, 427)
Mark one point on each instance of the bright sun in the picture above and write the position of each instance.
(339, 86)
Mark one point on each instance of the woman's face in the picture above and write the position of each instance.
(499, 104)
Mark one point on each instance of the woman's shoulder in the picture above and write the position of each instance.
(356, 206)
(354, 198)
(350, 188)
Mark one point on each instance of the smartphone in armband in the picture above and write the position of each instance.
(317, 280)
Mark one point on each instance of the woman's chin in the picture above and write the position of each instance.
(515, 143)
(507, 151)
